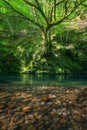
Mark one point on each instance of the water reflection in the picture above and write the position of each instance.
(43, 79)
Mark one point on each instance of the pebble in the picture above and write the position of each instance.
(47, 109)
(26, 109)
(44, 98)
(63, 121)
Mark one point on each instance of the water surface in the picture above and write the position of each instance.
(44, 79)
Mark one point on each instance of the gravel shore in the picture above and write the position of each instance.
(43, 108)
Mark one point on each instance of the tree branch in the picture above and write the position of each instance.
(38, 8)
(84, 5)
(54, 9)
(58, 3)
(65, 17)
(25, 17)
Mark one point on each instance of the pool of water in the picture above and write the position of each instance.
(44, 79)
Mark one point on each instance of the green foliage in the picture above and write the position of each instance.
(39, 36)
(9, 61)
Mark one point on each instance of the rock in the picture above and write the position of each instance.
(39, 117)
(11, 105)
(59, 111)
(63, 98)
(11, 128)
(44, 98)
(3, 123)
(2, 106)
(26, 109)
(58, 102)
(63, 121)
(40, 108)
(20, 121)
(27, 117)
(55, 120)
(31, 128)
(26, 100)
(76, 118)
(1, 110)
(4, 127)
(81, 99)
(11, 124)
(10, 111)
(77, 111)
(68, 91)
(5, 95)
(3, 117)
(26, 122)
(54, 112)
(84, 103)
(46, 118)
(29, 96)
(65, 113)
(72, 97)
(51, 96)
(17, 94)
(23, 128)
(75, 104)
(31, 116)
(50, 103)
(84, 110)
(74, 125)
(42, 103)
(64, 128)
(13, 117)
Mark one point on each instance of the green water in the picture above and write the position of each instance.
(44, 79)
(34, 83)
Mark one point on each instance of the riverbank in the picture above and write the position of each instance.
(43, 108)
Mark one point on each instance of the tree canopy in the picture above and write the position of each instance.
(39, 32)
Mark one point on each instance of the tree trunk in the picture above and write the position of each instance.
(48, 42)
